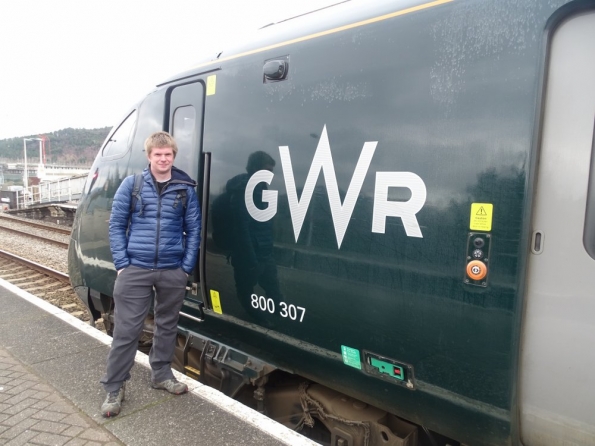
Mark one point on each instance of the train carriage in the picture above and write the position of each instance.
(412, 188)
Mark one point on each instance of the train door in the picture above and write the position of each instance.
(185, 122)
(557, 359)
(186, 110)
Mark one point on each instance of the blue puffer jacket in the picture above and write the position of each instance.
(156, 238)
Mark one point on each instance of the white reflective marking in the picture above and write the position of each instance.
(323, 160)
(268, 196)
(405, 210)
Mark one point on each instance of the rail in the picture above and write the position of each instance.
(38, 237)
(36, 266)
(35, 224)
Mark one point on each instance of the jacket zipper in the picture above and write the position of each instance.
(155, 261)
(158, 231)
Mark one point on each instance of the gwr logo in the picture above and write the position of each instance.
(341, 212)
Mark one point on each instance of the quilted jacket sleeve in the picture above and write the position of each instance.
(192, 226)
(118, 223)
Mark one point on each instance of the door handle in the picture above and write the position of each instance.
(537, 242)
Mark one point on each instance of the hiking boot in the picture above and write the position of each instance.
(172, 385)
(113, 402)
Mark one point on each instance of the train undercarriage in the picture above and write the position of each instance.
(316, 411)
(320, 413)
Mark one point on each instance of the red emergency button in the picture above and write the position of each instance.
(476, 269)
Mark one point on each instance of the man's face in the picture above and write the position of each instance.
(162, 160)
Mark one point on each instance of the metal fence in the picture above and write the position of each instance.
(63, 190)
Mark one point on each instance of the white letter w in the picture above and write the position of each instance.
(323, 160)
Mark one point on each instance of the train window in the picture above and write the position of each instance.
(120, 141)
(183, 130)
(589, 231)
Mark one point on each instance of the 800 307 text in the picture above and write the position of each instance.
(290, 311)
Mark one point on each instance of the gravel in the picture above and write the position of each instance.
(38, 251)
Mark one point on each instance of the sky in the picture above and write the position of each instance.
(83, 63)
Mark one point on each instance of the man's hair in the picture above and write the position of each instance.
(258, 161)
(160, 140)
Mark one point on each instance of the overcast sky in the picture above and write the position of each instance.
(82, 63)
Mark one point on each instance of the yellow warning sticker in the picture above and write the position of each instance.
(211, 85)
(481, 216)
(216, 302)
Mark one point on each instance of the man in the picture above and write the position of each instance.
(154, 247)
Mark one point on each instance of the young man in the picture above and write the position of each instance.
(154, 247)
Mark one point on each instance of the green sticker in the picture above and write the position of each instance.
(351, 357)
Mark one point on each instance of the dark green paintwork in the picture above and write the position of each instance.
(451, 94)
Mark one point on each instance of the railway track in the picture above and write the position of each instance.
(60, 276)
(35, 236)
(46, 283)
(19, 227)
(34, 224)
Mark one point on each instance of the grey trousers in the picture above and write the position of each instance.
(133, 293)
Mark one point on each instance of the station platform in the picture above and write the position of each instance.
(50, 366)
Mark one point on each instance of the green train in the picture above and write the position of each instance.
(398, 240)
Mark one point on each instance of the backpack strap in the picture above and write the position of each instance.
(138, 186)
(181, 196)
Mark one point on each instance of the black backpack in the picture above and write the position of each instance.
(138, 186)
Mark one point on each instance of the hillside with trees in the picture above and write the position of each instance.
(67, 146)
